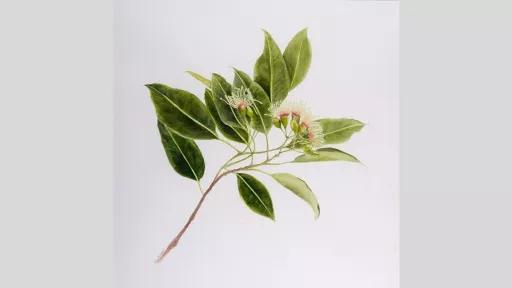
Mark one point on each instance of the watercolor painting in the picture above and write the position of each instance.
(256, 144)
(244, 111)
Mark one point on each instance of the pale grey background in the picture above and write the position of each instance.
(354, 73)
(56, 144)
(456, 184)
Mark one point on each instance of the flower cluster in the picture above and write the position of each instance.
(308, 133)
(241, 99)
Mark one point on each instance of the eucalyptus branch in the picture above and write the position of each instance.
(239, 111)
(240, 160)
(216, 179)
(279, 148)
(263, 151)
(220, 175)
(176, 239)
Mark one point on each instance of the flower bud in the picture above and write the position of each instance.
(250, 113)
(276, 122)
(243, 111)
(295, 126)
(284, 121)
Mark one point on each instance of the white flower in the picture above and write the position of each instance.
(297, 110)
(315, 134)
(306, 119)
(240, 98)
(278, 110)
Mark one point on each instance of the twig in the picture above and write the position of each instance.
(176, 239)
(216, 179)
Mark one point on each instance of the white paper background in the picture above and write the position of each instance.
(354, 73)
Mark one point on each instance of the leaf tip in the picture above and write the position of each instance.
(267, 34)
(317, 212)
(150, 86)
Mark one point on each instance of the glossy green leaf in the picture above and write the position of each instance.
(326, 154)
(221, 89)
(183, 153)
(200, 78)
(232, 133)
(262, 120)
(182, 112)
(255, 195)
(297, 56)
(299, 188)
(339, 130)
(270, 71)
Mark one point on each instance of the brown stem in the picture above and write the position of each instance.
(216, 179)
(176, 239)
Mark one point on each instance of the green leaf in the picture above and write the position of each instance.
(182, 111)
(232, 133)
(270, 71)
(299, 188)
(339, 130)
(255, 195)
(297, 56)
(262, 120)
(241, 79)
(200, 78)
(229, 116)
(183, 153)
(326, 154)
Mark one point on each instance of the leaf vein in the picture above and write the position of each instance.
(185, 113)
(254, 192)
(342, 129)
(182, 154)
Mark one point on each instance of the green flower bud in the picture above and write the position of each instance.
(243, 111)
(284, 121)
(295, 126)
(250, 113)
(276, 122)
